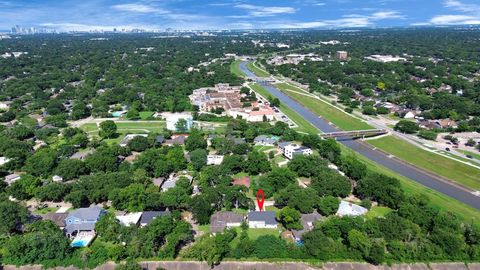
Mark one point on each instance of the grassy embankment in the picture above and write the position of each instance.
(257, 71)
(448, 168)
(334, 115)
(303, 125)
(235, 68)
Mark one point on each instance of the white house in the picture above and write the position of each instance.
(214, 159)
(350, 209)
(292, 150)
(129, 219)
(129, 137)
(173, 118)
(262, 219)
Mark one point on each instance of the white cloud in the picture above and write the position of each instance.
(262, 11)
(463, 7)
(454, 20)
(470, 14)
(384, 15)
(139, 8)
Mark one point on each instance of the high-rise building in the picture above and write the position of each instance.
(342, 55)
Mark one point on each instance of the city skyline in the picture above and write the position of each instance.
(105, 15)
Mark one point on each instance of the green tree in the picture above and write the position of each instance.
(290, 218)
(12, 215)
(138, 144)
(256, 163)
(198, 158)
(108, 129)
(71, 168)
(41, 163)
(195, 140)
(328, 205)
(181, 125)
(406, 126)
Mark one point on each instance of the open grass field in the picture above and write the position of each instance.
(451, 169)
(437, 199)
(378, 211)
(125, 128)
(339, 118)
(235, 68)
(145, 115)
(257, 71)
(303, 125)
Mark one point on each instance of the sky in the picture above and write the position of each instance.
(83, 15)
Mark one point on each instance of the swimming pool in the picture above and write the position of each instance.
(83, 239)
(79, 243)
(117, 114)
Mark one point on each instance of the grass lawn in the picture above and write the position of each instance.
(125, 128)
(378, 211)
(89, 127)
(474, 155)
(146, 115)
(235, 68)
(261, 148)
(259, 72)
(129, 127)
(339, 118)
(437, 199)
(204, 228)
(303, 125)
(451, 169)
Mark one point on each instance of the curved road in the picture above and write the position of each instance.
(425, 178)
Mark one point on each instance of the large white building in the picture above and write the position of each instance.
(292, 150)
(173, 118)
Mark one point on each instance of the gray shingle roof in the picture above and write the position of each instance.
(148, 216)
(267, 216)
(91, 213)
(219, 220)
(306, 220)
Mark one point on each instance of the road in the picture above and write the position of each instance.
(425, 178)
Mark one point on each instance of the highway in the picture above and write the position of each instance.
(423, 177)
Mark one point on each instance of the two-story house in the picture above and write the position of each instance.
(83, 220)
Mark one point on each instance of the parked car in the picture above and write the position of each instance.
(448, 149)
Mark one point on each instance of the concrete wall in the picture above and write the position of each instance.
(177, 265)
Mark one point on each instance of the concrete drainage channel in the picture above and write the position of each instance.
(182, 265)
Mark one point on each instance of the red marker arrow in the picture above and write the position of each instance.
(260, 199)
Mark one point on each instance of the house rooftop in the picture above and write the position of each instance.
(267, 216)
(307, 221)
(57, 218)
(220, 220)
(91, 213)
(350, 209)
(148, 216)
